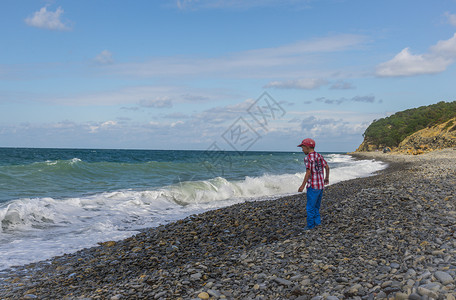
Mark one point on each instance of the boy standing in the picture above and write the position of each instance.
(315, 181)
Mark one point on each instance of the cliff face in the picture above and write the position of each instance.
(428, 139)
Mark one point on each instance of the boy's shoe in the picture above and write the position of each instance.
(307, 228)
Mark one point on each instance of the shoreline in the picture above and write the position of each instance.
(381, 236)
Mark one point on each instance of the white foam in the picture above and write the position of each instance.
(40, 228)
(356, 169)
(338, 158)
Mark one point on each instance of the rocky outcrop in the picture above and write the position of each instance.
(432, 138)
(428, 139)
(366, 146)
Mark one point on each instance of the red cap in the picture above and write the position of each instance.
(307, 142)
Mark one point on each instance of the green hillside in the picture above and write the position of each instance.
(392, 130)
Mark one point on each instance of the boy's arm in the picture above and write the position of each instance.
(327, 174)
(304, 182)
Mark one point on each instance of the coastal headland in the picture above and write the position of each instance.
(388, 236)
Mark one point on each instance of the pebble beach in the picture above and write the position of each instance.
(388, 236)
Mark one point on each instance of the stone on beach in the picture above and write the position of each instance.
(443, 277)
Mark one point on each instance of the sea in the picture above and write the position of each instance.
(57, 201)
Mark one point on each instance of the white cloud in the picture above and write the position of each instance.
(197, 131)
(104, 125)
(174, 124)
(159, 102)
(284, 62)
(320, 127)
(222, 114)
(47, 19)
(349, 125)
(363, 99)
(165, 97)
(290, 60)
(105, 57)
(405, 63)
(446, 48)
(451, 18)
(302, 84)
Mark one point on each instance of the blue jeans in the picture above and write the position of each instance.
(313, 207)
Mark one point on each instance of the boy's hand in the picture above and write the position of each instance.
(301, 188)
(326, 180)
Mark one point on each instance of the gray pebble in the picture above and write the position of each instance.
(443, 277)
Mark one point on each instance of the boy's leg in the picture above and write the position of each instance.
(310, 207)
(317, 207)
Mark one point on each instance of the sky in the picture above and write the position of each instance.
(217, 75)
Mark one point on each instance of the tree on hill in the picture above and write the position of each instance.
(390, 131)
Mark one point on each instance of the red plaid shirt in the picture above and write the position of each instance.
(316, 164)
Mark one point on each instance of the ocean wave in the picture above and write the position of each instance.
(33, 213)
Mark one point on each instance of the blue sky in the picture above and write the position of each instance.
(221, 74)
